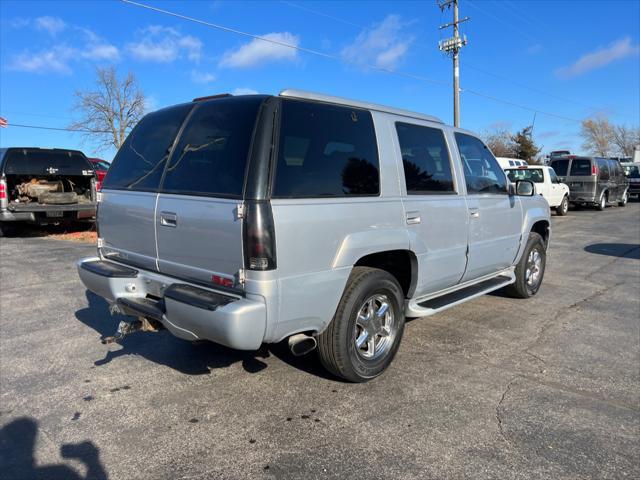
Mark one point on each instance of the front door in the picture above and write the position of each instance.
(435, 208)
(495, 218)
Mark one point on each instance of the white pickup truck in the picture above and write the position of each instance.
(546, 184)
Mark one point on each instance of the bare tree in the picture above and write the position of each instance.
(108, 113)
(500, 142)
(625, 139)
(598, 136)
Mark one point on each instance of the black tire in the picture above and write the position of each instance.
(521, 288)
(602, 204)
(563, 208)
(337, 344)
(624, 200)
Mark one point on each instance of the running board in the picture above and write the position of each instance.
(438, 304)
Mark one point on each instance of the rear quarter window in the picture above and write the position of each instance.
(325, 151)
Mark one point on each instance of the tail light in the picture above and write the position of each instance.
(259, 236)
(3, 190)
(594, 169)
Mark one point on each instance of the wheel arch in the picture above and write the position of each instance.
(401, 264)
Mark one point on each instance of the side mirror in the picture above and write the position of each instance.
(525, 188)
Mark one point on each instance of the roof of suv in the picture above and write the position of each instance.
(301, 94)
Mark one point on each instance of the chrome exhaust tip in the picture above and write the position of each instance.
(301, 344)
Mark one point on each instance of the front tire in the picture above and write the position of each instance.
(364, 335)
(563, 208)
(624, 200)
(530, 269)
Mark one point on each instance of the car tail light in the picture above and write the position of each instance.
(259, 236)
(223, 281)
(3, 190)
(594, 169)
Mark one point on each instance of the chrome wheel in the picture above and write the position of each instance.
(534, 268)
(603, 203)
(565, 205)
(625, 198)
(375, 327)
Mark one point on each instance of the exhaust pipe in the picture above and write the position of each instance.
(301, 344)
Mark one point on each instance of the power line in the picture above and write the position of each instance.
(42, 127)
(467, 64)
(340, 59)
(504, 22)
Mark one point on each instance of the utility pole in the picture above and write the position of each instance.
(451, 46)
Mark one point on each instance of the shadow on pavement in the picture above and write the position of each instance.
(626, 250)
(17, 455)
(191, 358)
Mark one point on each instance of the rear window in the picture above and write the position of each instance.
(25, 161)
(631, 171)
(326, 151)
(211, 155)
(580, 167)
(140, 161)
(534, 175)
(560, 167)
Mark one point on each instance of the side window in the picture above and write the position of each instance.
(211, 156)
(614, 168)
(553, 176)
(511, 163)
(604, 169)
(481, 170)
(326, 151)
(140, 161)
(425, 157)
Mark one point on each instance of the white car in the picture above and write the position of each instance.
(546, 184)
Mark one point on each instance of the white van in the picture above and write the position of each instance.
(506, 162)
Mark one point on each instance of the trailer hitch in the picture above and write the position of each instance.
(127, 327)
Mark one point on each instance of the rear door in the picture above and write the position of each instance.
(436, 210)
(582, 182)
(129, 191)
(198, 226)
(495, 218)
(561, 167)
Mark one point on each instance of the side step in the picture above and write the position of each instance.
(438, 304)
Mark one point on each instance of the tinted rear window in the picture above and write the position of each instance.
(580, 167)
(534, 175)
(326, 150)
(27, 161)
(211, 156)
(140, 161)
(560, 167)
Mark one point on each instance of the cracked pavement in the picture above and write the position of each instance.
(494, 388)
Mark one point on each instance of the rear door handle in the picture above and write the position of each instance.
(413, 218)
(474, 212)
(168, 219)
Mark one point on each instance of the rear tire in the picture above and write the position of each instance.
(364, 335)
(603, 202)
(563, 208)
(624, 200)
(530, 269)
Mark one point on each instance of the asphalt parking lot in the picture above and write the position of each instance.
(495, 388)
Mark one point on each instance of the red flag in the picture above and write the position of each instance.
(3, 122)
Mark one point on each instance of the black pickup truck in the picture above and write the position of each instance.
(44, 186)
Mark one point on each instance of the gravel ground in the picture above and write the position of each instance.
(494, 388)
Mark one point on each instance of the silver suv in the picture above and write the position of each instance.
(252, 219)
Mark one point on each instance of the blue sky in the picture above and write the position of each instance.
(572, 59)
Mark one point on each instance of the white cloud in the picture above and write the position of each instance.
(151, 104)
(258, 52)
(384, 45)
(102, 51)
(535, 48)
(54, 60)
(202, 77)
(599, 58)
(51, 25)
(164, 45)
(244, 91)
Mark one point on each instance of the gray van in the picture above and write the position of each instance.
(253, 219)
(593, 181)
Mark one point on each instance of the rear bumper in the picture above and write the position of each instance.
(47, 213)
(188, 311)
(583, 198)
